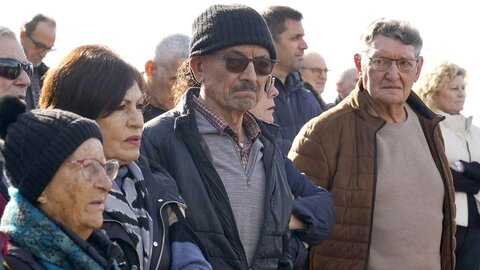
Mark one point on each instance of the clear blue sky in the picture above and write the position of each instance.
(332, 28)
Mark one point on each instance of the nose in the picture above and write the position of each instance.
(303, 44)
(249, 73)
(135, 119)
(273, 92)
(392, 72)
(23, 80)
(42, 53)
(104, 183)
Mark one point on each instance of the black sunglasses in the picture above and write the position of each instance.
(11, 68)
(238, 63)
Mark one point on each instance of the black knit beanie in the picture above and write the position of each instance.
(38, 142)
(222, 26)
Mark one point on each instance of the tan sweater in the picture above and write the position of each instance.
(407, 216)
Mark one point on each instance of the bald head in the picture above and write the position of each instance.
(314, 71)
(346, 82)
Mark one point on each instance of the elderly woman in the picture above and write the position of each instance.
(60, 180)
(443, 90)
(143, 207)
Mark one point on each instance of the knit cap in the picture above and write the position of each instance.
(223, 26)
(37, 142)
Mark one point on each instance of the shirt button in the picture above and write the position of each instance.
(160, 200)
(155, 243)
(134, 267)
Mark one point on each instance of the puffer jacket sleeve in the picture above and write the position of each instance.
(312, 205)
(308, 155)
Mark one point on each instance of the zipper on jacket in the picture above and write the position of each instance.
(444, 177)
(468, 150)
(163, 227)
(374, 192)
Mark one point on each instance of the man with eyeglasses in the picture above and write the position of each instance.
(38, 38)
(380, 152)
(15, 72)
(314, 74)
(295, 105)
(229, 172)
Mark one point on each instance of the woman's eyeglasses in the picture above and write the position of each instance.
(11, 68)
(270, 82)
(237, 63)
(92, 168)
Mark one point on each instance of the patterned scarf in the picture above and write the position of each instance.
(126, 203)
(29, 228)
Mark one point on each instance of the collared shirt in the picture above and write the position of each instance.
(252, 130)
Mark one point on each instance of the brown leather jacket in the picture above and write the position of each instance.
(337, 151)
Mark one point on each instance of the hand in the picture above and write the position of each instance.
(295, 224)
(457, 166)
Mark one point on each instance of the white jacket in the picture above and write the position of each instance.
(462, 142)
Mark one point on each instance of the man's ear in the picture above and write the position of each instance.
(196, 67)
(357, 58)
(150, 69)
(419, 67)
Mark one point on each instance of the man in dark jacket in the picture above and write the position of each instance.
(295, 105)
(37, 36)
(230, 174)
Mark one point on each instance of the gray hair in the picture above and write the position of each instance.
(342, 77)
(402, 31)
(172, 48)
(6, 31)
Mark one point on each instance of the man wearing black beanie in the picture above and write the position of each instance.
(227, 169)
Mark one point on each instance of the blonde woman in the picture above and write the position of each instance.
(443, 90)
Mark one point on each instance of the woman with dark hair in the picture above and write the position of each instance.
(143, 211)
(60, 180)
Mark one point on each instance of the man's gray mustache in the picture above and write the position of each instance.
(245, 86)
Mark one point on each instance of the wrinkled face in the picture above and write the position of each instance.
(10, 48)
(388, 88)
(315, 72)
(73, 200)
(37, 44)
(162, 80)
(266, 105)
(290, 46)
(347, 84)
(227, 92)
(452, 97)
(122, 129)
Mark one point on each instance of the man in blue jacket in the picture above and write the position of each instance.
(295, 105)
(227, 167)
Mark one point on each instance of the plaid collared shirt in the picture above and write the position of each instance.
(252, 130)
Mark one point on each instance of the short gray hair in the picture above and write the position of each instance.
(171, 48)
(399, 30)
(6, 31)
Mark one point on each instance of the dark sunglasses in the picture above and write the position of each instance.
(11, 68)
(238, 63)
